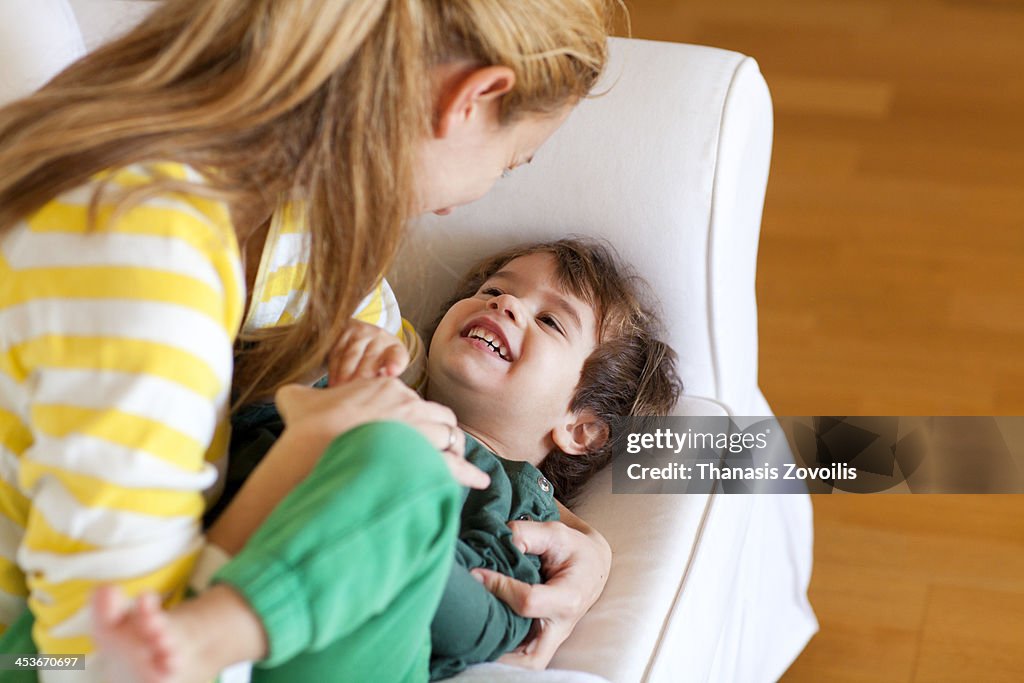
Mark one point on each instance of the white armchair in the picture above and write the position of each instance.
(670, 166)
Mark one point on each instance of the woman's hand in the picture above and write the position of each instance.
(313, 418)
(576, 562)
(320, 415)
(366, 351)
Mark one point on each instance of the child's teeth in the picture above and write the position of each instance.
(503, 351)
(488, 336)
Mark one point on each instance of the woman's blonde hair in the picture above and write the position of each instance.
(283, 100)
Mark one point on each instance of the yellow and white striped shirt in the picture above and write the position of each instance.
(115, 374)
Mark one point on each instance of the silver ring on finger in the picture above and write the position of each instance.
(451, 440)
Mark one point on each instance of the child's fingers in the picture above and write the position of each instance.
(396, 357)
(385, 356)
(345, 361)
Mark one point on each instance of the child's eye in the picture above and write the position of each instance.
(552, 323)
(491, 291)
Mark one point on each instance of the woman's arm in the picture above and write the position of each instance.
(118, 356)
(576, 561)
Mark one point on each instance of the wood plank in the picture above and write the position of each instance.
(889, 283)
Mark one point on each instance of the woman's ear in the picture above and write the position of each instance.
(465, 94)
(583, 433)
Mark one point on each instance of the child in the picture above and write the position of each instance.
(538, 352)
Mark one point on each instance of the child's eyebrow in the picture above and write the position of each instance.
(558, 302)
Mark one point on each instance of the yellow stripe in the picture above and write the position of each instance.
(282, 281)
(13, 504)
(113, 353)
(117, 282)
(78, 645)
(142, 219)
(370, 313)
(407, 335)
(219, 444)
(10, 366)
(132, 177)
(291, 219)
(70, 596)
(118, 427)
(12, 579)
(44, 538)
(14, 436)
(93, 492)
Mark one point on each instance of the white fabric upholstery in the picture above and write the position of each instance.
(647, 166)
(670, 166)
(38, 38)
(498, 673)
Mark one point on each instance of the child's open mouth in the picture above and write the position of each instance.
(490, 339)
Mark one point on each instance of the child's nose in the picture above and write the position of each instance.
(508, 305)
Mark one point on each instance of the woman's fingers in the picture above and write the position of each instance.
(513, 592)
(540, 646)
(554, 606)
(337, 409)
(547, 539)
(465, 472)
(442, 434)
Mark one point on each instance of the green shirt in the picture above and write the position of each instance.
(471, 625)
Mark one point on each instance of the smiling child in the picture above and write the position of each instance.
(538, 353)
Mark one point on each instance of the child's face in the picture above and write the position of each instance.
(509, 359)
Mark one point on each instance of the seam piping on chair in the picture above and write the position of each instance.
(716, 369)
(702, 526)
(698, 537)
(697, 540)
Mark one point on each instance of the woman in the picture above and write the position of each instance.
(149, 187)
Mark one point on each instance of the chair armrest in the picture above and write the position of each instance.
(653, 537)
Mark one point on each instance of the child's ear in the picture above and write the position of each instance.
(468, 92)
(582, 433)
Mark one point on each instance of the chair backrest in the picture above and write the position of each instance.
(670, 165)
(38, 38)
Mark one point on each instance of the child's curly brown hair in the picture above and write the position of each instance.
(631, 372)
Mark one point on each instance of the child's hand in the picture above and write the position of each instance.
(366, 351)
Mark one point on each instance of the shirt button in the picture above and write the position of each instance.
(544, 484)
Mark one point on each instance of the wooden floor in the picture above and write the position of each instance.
(891, 282)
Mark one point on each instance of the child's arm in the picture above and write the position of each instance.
(471, 625)
(365, 350)
(576, 563)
